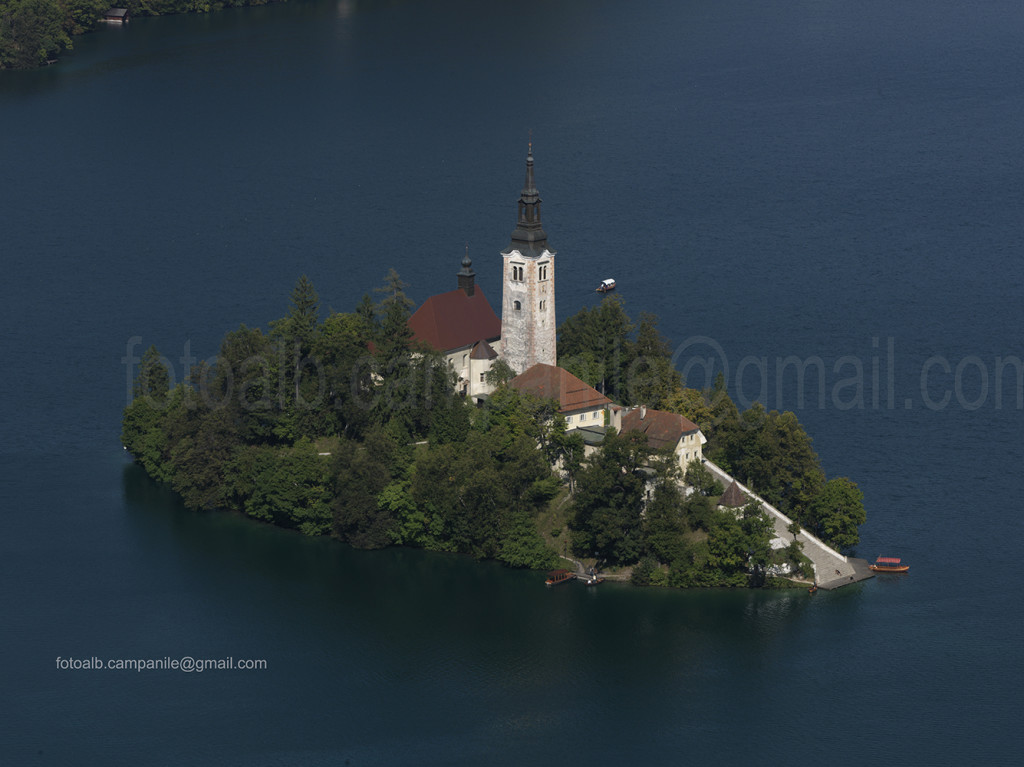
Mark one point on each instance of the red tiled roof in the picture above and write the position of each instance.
(452, 320)
(661, 429)
(552, 382)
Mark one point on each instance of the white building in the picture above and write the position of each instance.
(664, 430)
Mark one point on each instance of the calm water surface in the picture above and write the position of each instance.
(817, 180)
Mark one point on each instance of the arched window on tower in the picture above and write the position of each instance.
(516, 305)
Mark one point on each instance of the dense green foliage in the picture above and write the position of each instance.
(768, 451)
(631, 364)
(342, 428)
(630, 510)
(33, 32)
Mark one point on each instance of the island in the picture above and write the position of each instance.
(353, 428)
(453, 429)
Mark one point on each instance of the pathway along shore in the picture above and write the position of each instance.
(831, 569)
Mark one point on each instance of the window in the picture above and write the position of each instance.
(568, 419)
(517, 273)
(516, 305)
(482, 378)
(542, 306)
(542, 272)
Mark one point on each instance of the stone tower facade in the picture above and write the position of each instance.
(528, 279)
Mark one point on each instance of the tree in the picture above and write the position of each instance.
(499, 374)
(759, 530)
(739, 546)
(698, 511)
(31, 32)
(523, 414)
(522, 544)
(650, 378)
(245, 382)
(296, 334)
(606, 516)
(290, 487)
(199, 459)
(692, 404)
(347, 367)
(700, 478)
(595, 345)
(82, 15)
(143, 424)
(360, 475)
(571, 452)
(836, 512)
(666, 523)
(643, 572)
(773, 453)
(154, 379)
(393, 336)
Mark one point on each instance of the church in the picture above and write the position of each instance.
(462, 325)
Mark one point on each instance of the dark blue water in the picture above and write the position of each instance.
(819, 180)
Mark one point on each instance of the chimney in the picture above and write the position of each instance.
(643, 412)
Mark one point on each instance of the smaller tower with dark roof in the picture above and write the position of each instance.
(467, 275)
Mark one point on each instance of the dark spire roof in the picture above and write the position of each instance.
(529, 237)
(483, 351)
(733, 497)
(467, 275)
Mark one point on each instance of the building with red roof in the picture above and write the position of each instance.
(461, 325)
(583, 406)
(667, 430)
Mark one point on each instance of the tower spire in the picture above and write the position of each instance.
(529, 237)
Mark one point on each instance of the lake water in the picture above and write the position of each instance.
(836, 182)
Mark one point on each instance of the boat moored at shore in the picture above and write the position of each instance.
(559, 576)
(889, 565)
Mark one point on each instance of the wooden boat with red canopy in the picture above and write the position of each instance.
(889, 565)
(559, 576)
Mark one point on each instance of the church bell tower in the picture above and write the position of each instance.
(528, 280)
